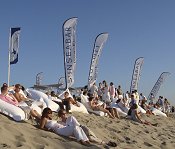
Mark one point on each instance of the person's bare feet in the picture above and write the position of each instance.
(86, 143)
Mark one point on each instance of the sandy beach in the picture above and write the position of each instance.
(127, 134)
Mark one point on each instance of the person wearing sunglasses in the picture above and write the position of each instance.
(12, 100)
(47, 123)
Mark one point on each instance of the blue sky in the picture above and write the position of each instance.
(137, 28)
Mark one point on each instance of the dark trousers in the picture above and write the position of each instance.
(64, 102)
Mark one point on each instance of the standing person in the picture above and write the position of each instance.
(69, 128)
(136, 96)
(152, 98)
(160, 104)
(141, 98)
(119, 92)
(116, 94)
(99, 92)
(112, 90)
(93, 89)
(127, 98)
(166, 106)
(106, 95)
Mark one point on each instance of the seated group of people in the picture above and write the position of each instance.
(14, 96)
(68, 126)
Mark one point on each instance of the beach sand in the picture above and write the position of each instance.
(126, 133)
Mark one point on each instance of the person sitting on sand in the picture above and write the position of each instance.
(12, 100)
(146, 107)
(7, 96)
(96, 107)
(47, 123)
(57, 100)
(133, 100)
(68, 100)
(20, 96)
(135, 116)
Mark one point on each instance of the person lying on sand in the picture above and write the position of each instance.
(47, 123)
(72, 121)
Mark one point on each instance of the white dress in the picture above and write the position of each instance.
(71, 128)
(106, 95)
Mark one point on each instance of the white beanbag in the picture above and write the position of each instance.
(123, 107)
(120, 111)
(40, 96)
(158, 112)
(82, 108)
(85, 101)
(140, 109)
(12, 111)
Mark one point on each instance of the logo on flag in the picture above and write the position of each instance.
(14, 45)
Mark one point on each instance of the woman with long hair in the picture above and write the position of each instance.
(47, 123)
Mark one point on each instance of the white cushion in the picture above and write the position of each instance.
(40, 96)
(12, 111)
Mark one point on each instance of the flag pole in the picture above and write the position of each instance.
(8, 82)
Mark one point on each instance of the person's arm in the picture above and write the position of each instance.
(22, 97)
(73, 101)
(137, 116)
(43, 123)
(18, 97)
(91, 104)
(14, 99)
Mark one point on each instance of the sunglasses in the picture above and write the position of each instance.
(19, 87)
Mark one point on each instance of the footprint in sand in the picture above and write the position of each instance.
(163, 143)
(3, 145)
(39, 146)
(127, 138)
(20, 138)
(146, 131)
(19, 144)
(148, 144)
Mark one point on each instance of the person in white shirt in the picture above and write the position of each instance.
(93, 89)
(70, 128)
(112, 90)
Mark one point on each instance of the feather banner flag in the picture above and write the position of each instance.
(14, 44)
(136, 74)
(13, 48)
(157, 85)
(98, 46)
(69, 44)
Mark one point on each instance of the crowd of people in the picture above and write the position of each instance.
(108, 99)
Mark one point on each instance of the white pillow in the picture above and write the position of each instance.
(12, 111)
(82, 108)
(37, 95)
